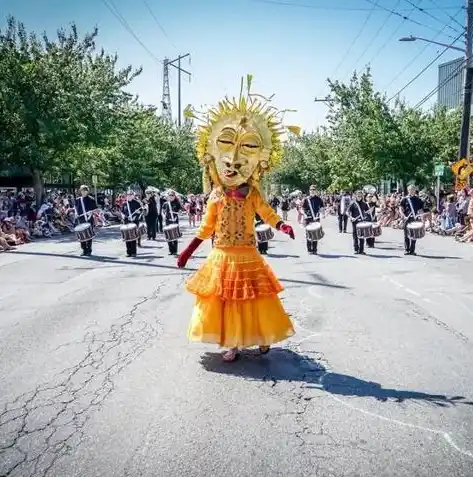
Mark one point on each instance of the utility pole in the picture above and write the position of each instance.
(467, 94)
(166, 101)
(179, 71)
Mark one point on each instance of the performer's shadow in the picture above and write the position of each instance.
(285, 365)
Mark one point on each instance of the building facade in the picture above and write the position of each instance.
(450, 84)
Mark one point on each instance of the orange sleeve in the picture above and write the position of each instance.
(207, 227)
(265, 211)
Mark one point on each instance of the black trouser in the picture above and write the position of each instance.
(342, 222)
(87, 245)
(409, 245)
(151, 225)
(174, 243)
(263, 247)
(160, 224)
(358, 243)
(131, 248)
(311, 245)
(370, 242)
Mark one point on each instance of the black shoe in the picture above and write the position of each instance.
(357, 252)
(413, 253)
(128, 254)
(83, 254)
(407, 252)
(362, 253)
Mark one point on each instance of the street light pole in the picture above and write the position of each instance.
(465, 128)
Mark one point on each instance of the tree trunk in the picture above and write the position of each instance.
(38, 185)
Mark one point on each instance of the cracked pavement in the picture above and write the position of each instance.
(97, 377)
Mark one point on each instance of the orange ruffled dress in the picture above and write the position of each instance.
(237, 302)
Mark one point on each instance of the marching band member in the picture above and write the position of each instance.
(357, 212)
(410, 208)
(285, 205)
(131, 214)
(342, 210)
(159, 205)
(152, 215)
(237, 304)
(372, 202)
(85, 206)
(262, 246)
(312, 207)
(171, 209)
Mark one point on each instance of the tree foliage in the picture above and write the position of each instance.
(368, 139)
(64, 109)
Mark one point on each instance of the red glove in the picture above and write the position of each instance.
(187, 252)
(287, 229)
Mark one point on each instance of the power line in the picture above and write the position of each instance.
(424, 69)
(345, 56)
(411, 20)
(380, 29)
(448, 14)
(345, 9)
(393, 34)
(116, 13)
(421, 52)
(452, 75)
(158, 23)
(431, 16)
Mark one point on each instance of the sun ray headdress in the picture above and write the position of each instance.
(252, 110)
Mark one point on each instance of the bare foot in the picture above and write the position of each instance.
(230, 355)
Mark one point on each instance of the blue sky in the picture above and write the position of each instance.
(290, 46)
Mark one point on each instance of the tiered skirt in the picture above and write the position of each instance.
(237, 303)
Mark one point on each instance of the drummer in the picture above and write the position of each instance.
(312, 208)
(372, 202)
(131, 214)
(411, 208)
(358, 212)
(84, 208)
(171, 209)
(262, 246)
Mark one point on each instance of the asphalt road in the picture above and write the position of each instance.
(97, 378)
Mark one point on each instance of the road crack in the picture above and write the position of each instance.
(40, 426)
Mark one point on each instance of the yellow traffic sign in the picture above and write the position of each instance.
(456, 168)
(465, 172)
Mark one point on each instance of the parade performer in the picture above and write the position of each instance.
(312, 207)
(237, 304)
(410, 209)
(372, 202)
(358, 211)
(85, 206)
(131, 214)
(262, 246)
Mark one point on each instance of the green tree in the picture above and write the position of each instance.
(54, 96)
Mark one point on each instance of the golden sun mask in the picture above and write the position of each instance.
(239, 140)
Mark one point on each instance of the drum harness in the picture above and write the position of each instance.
(412, 214)
(314, 217)
(85, 213)
(361, 216)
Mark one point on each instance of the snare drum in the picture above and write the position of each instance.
(129, 232)
(415, 230)
(364, 230)
(376, 229)
(142, 230)
(264, 233)
(314, 232)
(84, 232)
(172, 232)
